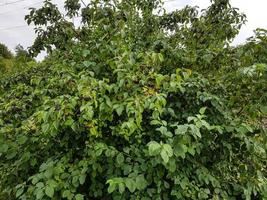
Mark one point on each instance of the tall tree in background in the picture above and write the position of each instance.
(5, 52)
(21, 54)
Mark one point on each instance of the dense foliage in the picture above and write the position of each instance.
(136, 103)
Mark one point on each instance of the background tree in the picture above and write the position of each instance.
(22, 54)
(12, 64)
(5, 52)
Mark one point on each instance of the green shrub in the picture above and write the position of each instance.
(143, 135)
(118, 112)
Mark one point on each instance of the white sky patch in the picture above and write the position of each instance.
(256, 17)
(14, 30)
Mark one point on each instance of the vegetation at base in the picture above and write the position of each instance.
(136, 103)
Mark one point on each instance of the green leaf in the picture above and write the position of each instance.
(172, 165)
(195, 130)
(180, 150)
(189, 119)
(86, 52)
(49, 191)
(154, 148)
(160, 57)
(159, 79)
(120, 158)
(82, 178)
(3, 148)
(164, 156)
(22, 139)
(191, 150)
(121, 187)
(168, 149)
(69, 122)
(39, 194)
(206, 124)
(202, 110)
(48, 173)
(141, 182)
(19, 192)
(166, 152)
(130, 184)
(67, 194)
(119, 109)
(164, 131)
(112, 186)
(89, 63)
(181, 129)
(40, 185)
(79, 197)
(11, 154)
(264, 109)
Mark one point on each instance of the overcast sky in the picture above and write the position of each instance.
(14, 30)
